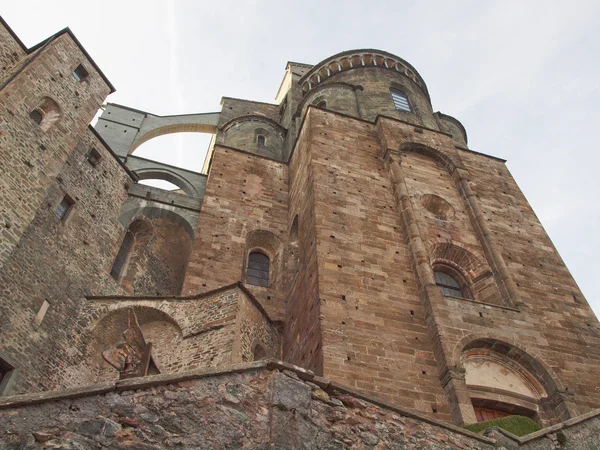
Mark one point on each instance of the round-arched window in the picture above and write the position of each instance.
(258, 269)
(451, 285)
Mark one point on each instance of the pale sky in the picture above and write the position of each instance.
(522, 76)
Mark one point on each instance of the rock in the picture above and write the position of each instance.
(99, 428)
(369, 439)
(335, 402)
(41, 436)
(321, 395)
(290, 394)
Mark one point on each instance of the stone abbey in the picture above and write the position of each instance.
(344, 272)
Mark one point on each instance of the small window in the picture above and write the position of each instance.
(94, 157)
(121, 258)
(36, 116)
(448, 284)
(322, 104)
(64, 207)
(400, 100)
(258, 269)
(6, 371)
(261, 140)
(80, 73)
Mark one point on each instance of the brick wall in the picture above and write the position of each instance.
(32, 157)
(244, 193)
(374, 329)
(60, 262)
(11, 52)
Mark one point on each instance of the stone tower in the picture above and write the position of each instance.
(346, 229)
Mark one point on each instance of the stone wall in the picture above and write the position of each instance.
(32, 156)
(12, 54)
(265, 404)
(60, 262)
(211, 330)
(373, 325)
(244, 194)
(244, 407)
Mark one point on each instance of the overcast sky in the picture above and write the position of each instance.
(522, 76)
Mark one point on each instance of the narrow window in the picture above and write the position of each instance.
(260, 141)
(400, 100)
(64, 207)
(258, 269)
(36, 116)
(121, 258)
(449, 286)
(6, 371)
(259, 352)
(322, 104)
(80, 73)
(94, 157)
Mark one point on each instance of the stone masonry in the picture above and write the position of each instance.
(346, 229)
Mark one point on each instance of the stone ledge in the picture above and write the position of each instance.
(331, 387)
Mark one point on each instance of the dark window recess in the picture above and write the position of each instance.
(63, 208)
(258, 269)
(261, 140)
(122, 256)
(400, 100)
(94, 157)
(449, 286)
(3, 373)
(36, 116)
(322, 104)
(80, 73)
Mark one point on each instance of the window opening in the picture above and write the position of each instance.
(94, 157)
(80, 73)
(400, 100)
(322, 104)
(261, 140)
(258, 269)
(36, 116)
(6, 370)
(122, 255)
(449, 286)
(64, 207)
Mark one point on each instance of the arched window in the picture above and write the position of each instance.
(258, 269)
(400, 100)
(36, 116)
(259, 352)
(322, 104)
(121, 258)
(45, 114)
(449, 285)
(261, 141)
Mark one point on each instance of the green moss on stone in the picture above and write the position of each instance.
(517, 425)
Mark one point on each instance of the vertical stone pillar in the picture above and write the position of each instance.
(506, 284)
(430, 295)
(455, 387)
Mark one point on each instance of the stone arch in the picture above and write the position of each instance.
(269, 244)
(449, 162)
(160, 173)
(158, 327)
(461, 259)
(478, 281)
(158, 266)
(46, 113)
(154, 212)
(154, 126)
(550, 404)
